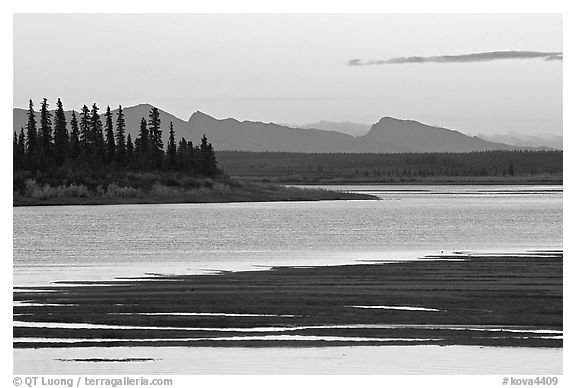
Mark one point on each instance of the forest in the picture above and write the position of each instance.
(505, 166)
(98, 144)
(93, 150)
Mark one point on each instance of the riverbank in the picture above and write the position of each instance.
(497, 300)
(193, 191)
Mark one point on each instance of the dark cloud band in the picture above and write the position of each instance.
(466, 58)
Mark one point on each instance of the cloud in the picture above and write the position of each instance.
(558, 57)
(465, 58)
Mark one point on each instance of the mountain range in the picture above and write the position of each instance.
(387, 135)
(518, 139)
(541, 140)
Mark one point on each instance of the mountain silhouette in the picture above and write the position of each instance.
(542, 141)
(413, 136)
(387, 135)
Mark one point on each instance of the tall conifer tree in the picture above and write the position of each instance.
(99, 150)
(75, 149)
(16, 157)
(61, 146)
(22, 146)
(85, 132)
(171, 152)
(110, 143)
(142, 146)
(45, 132)
(181, 154)
(209, 165)
(129, 151)
(120, 138)
(31, 137)
(156, 145)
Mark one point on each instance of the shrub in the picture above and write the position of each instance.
(159, 190)
(220, 188)
(46, 191)
(113, 191)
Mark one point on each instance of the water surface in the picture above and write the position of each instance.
(404, 360)
(102, 242)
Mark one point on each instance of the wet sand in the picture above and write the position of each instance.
(499, 300)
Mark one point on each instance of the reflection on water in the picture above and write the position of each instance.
(416, 359)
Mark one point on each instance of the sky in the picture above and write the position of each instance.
(302, 68)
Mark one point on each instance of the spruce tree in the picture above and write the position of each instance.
(99, 149)
(45, 133)
(120, 139)
(155, 133)
(110, 143)
(209, 165)
(129, 151)
(171, 152)
(194, 161)
(16, 157)
(212, 162)
(61, 140)
(85, 133)
(75, 149)
(188, 157)
(22, 147)
(31, 137)
(181, 154)
(142, 147)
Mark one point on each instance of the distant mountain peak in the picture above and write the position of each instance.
(414, 136)
(140, 106)
(397, 120)
(200, 115)
(394, 124)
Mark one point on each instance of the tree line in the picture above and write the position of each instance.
(293, 166)
(99, 144)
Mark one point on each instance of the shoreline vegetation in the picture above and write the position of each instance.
(161, 189)
(158, 188)
(457, 299)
